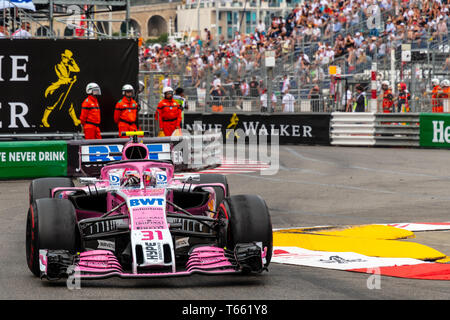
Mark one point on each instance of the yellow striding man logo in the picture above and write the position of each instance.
(57, 93)
(233, 124)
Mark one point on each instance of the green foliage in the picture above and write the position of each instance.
(162, 39)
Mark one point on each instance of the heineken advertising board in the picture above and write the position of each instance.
(33, 159)
(435, 130)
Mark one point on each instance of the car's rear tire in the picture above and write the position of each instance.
(248, 221)
(216, 178)
(51, 224)
(41, 188)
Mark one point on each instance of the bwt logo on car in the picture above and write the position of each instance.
(102, 153)
(144, 202)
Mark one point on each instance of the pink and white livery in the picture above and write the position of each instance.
(136, 220)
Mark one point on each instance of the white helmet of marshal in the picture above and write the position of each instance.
(93, 89)
(167, 89)
(435, 82)
(445, 83)
(385, 83)
(127, 87)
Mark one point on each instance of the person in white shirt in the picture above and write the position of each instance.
(217, 82)
(390, 27)
(23, 32)
(285, 87)
(166, 82)
(288, 103)
(263, 100)
(245, 89)
(211, 58)
(261, 27)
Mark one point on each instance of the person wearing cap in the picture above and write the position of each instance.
(168, 114)
(126, 111)
(390, 27)
(388, 98)
(360, 103)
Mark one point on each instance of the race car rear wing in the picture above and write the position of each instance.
(87, 157)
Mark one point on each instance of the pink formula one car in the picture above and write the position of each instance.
(139, 220)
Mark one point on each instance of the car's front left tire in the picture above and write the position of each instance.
(51, 224)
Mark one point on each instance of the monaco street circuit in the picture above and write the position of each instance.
(314, 186)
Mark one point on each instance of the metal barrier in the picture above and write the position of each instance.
(375, 129)
(257, 105)
(401, 129)
(352, 128)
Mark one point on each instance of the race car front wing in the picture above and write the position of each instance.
(102, 264)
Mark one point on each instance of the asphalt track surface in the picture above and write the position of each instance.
(313, 186)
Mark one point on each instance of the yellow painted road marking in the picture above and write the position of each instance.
(365, 231)
(372, 240)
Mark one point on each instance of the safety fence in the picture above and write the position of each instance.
(237, 96)
(259, 104)
(297, 103)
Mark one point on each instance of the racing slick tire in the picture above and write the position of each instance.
(248, 221)
(51, 224)
(216, 178)
(41, 188)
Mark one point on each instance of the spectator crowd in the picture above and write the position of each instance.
(315, 34)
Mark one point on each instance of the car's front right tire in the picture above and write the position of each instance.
(248, 221)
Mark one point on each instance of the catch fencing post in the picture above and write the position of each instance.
(373, 87)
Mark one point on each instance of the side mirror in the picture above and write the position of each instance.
(88, 180)
(188, 178)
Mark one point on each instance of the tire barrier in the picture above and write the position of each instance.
(352, 129)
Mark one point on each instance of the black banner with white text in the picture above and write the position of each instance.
(43, 82)
(292, 128)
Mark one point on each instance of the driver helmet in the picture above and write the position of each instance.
(130, 179)
(149, 178)
(154, 177)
